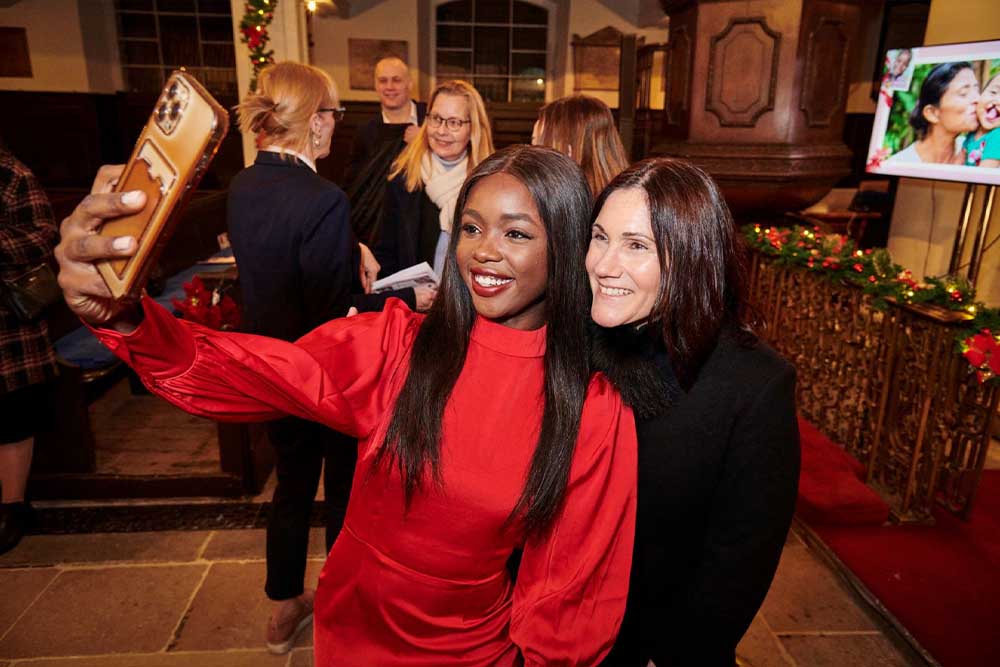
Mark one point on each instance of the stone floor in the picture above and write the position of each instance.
(193, 599)
(141, 434)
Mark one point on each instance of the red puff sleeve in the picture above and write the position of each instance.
(341, 374)
(573, 582)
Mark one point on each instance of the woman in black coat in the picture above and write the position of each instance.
(715, 414)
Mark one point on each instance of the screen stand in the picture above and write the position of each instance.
(962, 231)
(979, 246)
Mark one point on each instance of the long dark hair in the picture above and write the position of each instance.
(931, 92)
(412, 441)
(703, 277)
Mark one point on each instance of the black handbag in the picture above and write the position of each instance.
(31, 293)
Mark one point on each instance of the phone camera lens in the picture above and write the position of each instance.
(175, 109)
(173, 90)
(161, 111)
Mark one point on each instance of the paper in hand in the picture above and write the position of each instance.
(418, 274)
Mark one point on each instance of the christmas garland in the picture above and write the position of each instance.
(836, 257)
(257, 15)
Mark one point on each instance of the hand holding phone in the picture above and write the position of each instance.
(170, 157)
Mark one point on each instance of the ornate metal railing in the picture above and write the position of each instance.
(887, 384)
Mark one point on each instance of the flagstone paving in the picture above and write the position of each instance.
(194, 599)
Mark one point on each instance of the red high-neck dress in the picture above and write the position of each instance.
(428, 585)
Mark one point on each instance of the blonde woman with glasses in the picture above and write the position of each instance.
(425, 179)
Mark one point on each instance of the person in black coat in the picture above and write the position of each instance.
(398, 120)
(715, 414)
(298, 262)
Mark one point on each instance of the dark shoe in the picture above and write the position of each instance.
(14, 519)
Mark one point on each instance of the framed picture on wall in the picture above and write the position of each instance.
(362, 54)
(15, 59)
(596, 60)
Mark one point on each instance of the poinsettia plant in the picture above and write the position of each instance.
(211, 308)
(982, 351)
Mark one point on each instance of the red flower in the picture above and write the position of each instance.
(983, 353)
(207, 307)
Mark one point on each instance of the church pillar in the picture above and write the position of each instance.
(756, 93)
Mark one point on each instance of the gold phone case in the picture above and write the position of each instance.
(169, 159)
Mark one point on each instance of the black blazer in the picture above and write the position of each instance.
(718, 477)
(410, 228)
(297, 257)
(368, 137)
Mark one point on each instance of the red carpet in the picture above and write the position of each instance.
(830, 486)
(942, 582)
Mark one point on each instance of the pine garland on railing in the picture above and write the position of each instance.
(836, 257)
(257, 16)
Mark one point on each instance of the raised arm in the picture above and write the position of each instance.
(572, 583)
(337, 375)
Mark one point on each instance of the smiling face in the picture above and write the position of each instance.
(956, 112)
(988, 109)
(449, 144)
(901, 62)
(502, 252)
(392, 83)
(622, 262)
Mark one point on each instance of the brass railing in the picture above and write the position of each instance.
(887, 384)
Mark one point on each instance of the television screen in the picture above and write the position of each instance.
(938, 114)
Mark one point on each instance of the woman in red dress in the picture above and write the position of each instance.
(480, 429)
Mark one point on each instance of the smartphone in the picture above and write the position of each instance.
(172, 153)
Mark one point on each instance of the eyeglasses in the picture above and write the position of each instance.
(338, 112)
(453, 124)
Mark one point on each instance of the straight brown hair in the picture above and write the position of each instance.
(583, 128)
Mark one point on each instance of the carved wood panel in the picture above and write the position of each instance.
(678, 75)
(743, 71)
(827, 56)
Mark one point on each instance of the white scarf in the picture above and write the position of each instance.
(442, 186)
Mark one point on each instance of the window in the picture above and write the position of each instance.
(501, 46)
(159, 36)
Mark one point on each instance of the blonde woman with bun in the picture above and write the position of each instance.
(583, 128)
(425, 179)
(299, 267)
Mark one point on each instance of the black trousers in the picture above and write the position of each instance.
(300, 448)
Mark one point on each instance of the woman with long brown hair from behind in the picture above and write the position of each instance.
(583, 128)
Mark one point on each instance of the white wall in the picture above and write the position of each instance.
(926, 213)
(589, 16)
(55, 43)
(73, 45)
(395, 19)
